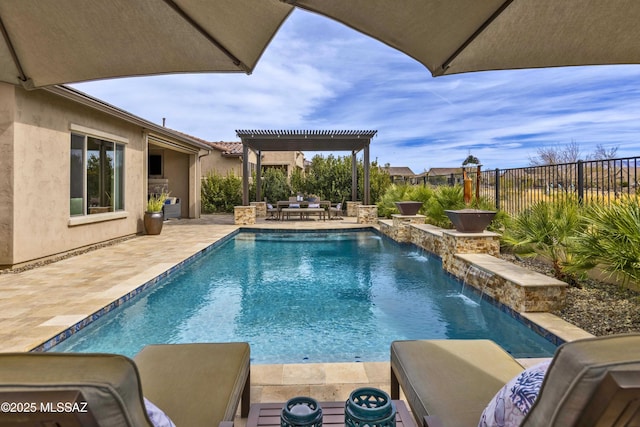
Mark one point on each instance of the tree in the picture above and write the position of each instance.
(556, 155)
(471, 160)
(602, 153)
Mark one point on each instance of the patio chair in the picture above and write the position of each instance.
(273, 212)
(193, 384)
(335, 213)
(590, 382)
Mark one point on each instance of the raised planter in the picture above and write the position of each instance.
(408, 208)
(470, 220)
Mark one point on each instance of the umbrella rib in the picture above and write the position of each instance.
(208, 36)
(473, 36)
(22, 77)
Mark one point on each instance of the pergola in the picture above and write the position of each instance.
(305, 140)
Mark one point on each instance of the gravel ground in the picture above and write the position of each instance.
(597, 307)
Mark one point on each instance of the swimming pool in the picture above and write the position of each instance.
(307, 297)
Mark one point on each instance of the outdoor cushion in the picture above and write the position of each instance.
(294, 205)
(196, 384)
(314, 205)
(513, 402)
(456, 378)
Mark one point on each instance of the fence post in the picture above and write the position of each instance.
(580, 181)
(497, 186)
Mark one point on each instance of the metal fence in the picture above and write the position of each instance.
(513, 190)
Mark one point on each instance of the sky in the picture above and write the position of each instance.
(319, 74)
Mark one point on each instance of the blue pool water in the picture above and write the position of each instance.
(316, 297)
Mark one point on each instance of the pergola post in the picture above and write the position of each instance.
(354, 177)
(245, 174)
(366, 175)
(259, 176)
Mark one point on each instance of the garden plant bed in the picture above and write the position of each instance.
(597, 307)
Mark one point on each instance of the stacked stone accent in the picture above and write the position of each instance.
(455, 242)
(473, 257)
(244, 215)
(352, 208)
(367, 214)
(428, 237)
(401, 227)
(261, 208)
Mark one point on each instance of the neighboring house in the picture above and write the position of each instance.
(76, 171)
(226, 158)
(440, 176)
(399, 174)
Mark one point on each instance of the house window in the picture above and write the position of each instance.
(97, 175)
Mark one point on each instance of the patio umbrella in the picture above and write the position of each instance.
(48, 42)
(457, 36)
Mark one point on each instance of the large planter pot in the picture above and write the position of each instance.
(408, 208)
(470, 220)
(153, 222)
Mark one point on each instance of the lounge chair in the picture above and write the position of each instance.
(193, 384)
(590, 382)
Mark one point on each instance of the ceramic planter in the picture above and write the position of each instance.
(153, 222)
(470, 220)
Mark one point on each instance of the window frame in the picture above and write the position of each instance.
(118, 150)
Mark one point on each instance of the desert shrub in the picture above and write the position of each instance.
(548, 229)
(444, 198)
(611, 239)
(403, 192)
(220, 193)
(275, 185)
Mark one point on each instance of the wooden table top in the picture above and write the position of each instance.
(268, 414)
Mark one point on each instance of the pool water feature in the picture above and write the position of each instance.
(307, 297)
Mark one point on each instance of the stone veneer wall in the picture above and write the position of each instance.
(367, 214)
(261, 208)
(244, 215)
(352, 208)
(401, 226)
(473, 257)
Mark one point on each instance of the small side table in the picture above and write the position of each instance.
(268, 414)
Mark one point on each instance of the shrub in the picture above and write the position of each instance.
(611, 240)
(444, 198)
(221, 194)
(548, 229)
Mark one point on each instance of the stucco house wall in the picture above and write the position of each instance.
(35, 218)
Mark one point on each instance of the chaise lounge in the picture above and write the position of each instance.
(590, 382)
(193, 384)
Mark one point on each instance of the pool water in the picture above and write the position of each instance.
(307, 297)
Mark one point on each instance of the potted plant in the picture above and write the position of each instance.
(153, 217)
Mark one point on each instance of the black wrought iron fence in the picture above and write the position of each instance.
(513, 190)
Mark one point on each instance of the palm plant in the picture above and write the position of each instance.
(547, 229)
(444, 198)
(612, 239)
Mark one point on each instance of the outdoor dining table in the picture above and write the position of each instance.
(302, 205)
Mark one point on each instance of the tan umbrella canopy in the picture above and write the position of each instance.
(48, 42)
(457, 36)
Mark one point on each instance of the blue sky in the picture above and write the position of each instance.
(318, 74)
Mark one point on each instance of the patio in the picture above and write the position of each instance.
(39, 303)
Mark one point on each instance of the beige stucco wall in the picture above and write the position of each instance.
(176, 170)
(221, 165)
(291, 159)
(7, 108)
(42, 177)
